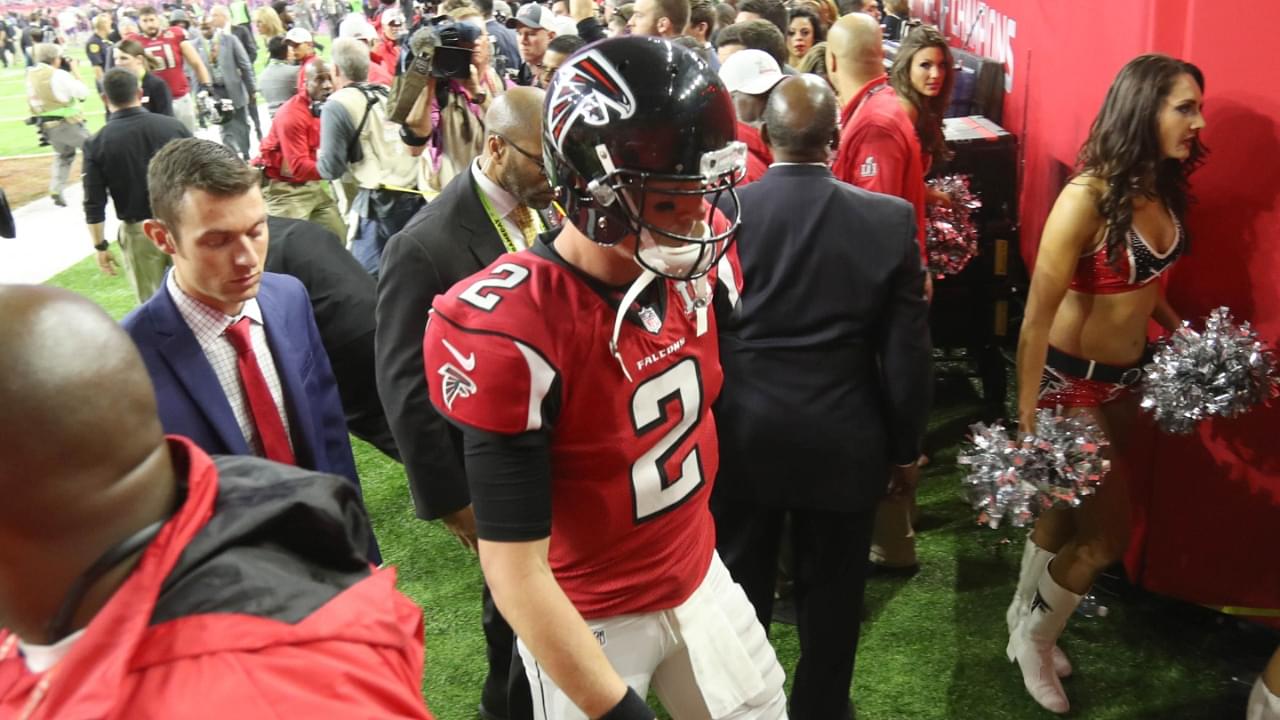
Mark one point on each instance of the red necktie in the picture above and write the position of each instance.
(266, 415)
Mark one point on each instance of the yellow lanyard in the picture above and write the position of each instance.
(501, 227)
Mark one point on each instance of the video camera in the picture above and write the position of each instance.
(440, 48)
(455, 44)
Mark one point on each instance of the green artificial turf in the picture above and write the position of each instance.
(933, 644)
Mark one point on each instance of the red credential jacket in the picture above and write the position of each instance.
(288, 152)
(879, 150)
(358, 655)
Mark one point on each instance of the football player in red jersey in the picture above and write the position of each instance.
(582, 373)
(170, 47)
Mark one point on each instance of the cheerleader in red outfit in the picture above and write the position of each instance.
(1115, 228)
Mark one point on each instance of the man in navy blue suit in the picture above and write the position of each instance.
(233, 351)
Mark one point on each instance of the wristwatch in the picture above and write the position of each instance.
(102, 246)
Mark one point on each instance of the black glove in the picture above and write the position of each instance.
(631, 707)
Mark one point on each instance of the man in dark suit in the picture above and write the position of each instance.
(343, 298)
(233, 352)
(826, 390)
(482, 213)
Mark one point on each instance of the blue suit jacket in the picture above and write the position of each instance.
(191, 399)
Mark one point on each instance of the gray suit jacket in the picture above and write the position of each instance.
(234, 70)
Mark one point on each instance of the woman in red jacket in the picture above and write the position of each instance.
(1115, 228)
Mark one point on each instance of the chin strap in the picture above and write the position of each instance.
(646, 276)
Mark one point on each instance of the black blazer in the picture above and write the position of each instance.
(826, 354)
(343, 295)
(446, 241)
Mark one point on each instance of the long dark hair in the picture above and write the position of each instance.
(815, 22)
(929, 110)
(135, 49)
(1123, 149)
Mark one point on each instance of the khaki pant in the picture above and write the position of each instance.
(66, 137)
(308, 201)
(893, 542)
(144, 263)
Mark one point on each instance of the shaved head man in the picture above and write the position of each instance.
(879, 151)
(834, 508)
(513, 150)
(107, 526)
(855, 54)
(801, 120)
(72, 489)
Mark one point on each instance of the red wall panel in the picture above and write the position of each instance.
(1207, 506)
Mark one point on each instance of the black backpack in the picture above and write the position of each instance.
(355, 153)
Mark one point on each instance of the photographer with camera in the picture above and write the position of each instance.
(358, 137)
(465, 86)
(54, 94)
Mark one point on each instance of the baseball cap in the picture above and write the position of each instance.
(355, 26)
(533, 15)
(299, 35)
(753, 72)
(564, 25)
(501, 8)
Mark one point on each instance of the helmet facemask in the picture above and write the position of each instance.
(609, 209)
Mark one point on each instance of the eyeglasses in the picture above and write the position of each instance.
(537, 161)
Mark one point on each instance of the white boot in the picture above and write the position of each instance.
(1031, 644)
(1034, 561)
(1263, 704)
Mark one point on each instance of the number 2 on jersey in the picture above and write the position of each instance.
(474, 295)
(653, 492)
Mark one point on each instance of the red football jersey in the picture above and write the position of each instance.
(167, 48)
(633, 460)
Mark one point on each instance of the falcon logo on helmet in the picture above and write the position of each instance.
(589, 89)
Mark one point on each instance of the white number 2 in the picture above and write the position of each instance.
(515, 275)
(653, 492)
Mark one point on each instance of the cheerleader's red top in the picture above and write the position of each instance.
(1139, 264)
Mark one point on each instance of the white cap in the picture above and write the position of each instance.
(298, 36)
(564, 25)
(753, 72)
(355, 26)
(390, 15)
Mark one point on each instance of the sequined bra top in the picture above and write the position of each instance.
(1139, 264)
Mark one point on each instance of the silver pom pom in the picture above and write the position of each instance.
(1061, 463)
(1223, 371)
(951, 237)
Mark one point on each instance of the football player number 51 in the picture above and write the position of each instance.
(679, 386)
